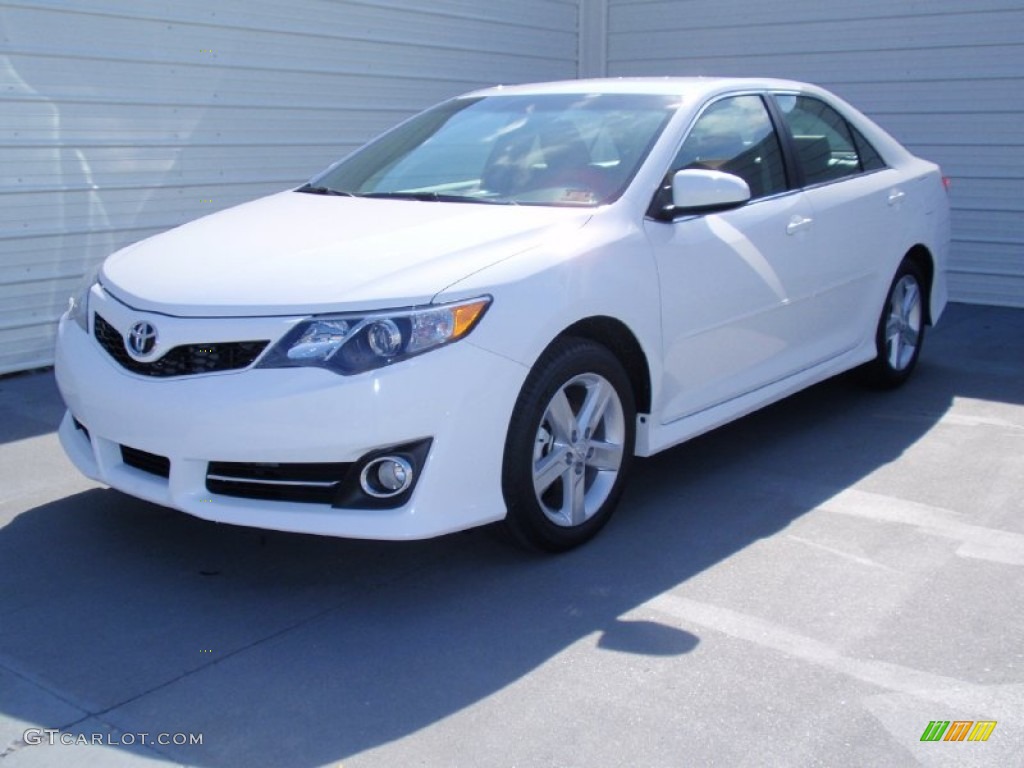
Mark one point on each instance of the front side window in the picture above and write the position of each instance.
(551, 149)
(827, 147)
(736, 135)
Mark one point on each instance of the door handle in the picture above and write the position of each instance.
(798, 222)
(896, 196)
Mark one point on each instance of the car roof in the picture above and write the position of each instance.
(692, 87)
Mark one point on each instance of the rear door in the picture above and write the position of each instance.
(857, 205)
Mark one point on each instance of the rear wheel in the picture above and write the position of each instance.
(569, 446)
(900, 332)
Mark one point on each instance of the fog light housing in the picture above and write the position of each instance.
(386, 476)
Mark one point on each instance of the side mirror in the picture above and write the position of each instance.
(699, 191)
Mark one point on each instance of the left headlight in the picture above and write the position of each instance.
(353, 343)
(78, 302)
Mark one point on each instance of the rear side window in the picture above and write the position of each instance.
(870, 160)
(827, 147)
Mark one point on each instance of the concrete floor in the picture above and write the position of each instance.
(810, 586)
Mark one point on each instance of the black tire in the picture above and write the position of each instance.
(900, 333)
(564, 470)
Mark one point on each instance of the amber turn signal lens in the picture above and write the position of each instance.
(466, 317)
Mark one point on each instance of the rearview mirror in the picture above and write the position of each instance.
(701, 191)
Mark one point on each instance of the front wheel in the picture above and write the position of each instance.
(569, 446)
(900, 332)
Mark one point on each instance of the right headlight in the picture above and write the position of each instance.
(353, 343)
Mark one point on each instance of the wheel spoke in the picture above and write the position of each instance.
(549, 469)
(911, 336)
(909, 300)
(599, 394)
(605, 456)
(892, 326)
(561, 418)
(895, 350)
(574, 497)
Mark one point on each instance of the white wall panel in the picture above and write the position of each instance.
(120, 118)
(944, 76)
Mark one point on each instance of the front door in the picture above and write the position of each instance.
(736, 286)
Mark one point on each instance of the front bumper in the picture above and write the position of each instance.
(460, 398)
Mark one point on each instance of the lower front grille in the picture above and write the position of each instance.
(305, 483)
(185, 360)
(147, 462)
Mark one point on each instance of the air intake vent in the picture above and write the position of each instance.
(147, 462)
(308, 483)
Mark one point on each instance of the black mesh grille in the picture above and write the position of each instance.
(185, 360)
(147, 462)
(310, 483)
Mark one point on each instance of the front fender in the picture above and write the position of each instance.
(606, 269)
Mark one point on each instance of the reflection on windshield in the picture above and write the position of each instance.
(554, 149)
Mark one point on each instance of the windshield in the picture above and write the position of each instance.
(553, 149)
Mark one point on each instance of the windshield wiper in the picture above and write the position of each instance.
(313, 189)
(435, 197)
(429, 197)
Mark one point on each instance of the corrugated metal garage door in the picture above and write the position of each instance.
(119, 119)
(944, 76)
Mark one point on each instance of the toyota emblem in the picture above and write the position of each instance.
(141, 339)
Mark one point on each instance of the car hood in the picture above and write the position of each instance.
(296, 253)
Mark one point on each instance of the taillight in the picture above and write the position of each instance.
(947, 183)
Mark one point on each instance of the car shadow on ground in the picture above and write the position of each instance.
(29, 405)
(285, 649)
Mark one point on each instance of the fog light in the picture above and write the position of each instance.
(386, 476)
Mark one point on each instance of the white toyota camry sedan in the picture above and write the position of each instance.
(484, 314)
